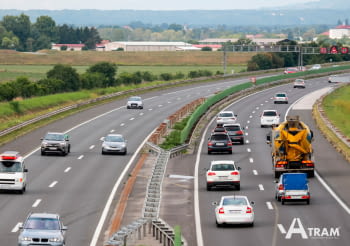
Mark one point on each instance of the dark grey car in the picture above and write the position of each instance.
(42, 229)
(55, 142)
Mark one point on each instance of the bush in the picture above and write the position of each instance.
(166, 76)
(206, 48)
(64, 47)
(16, 107)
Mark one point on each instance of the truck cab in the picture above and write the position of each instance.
(13, 173)
(292, 187)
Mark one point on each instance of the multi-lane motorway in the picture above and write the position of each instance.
(324, 221)
(79, 186)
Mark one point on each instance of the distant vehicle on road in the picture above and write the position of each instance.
(223, 174)
(315, 67)
(269, 117)
(55, 142)
(134, 102)
(299, 83)
(219, 142)
(226, 117)
(235, 132)
(13, 173)
(280, 97)
(292, 187)
(291, 70)
(42, 229)
(234, 210)
(114, 143)
(339, 79)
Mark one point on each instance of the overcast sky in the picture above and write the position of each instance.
(144, 4)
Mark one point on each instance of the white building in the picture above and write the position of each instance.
(339, 32)
(143, 46)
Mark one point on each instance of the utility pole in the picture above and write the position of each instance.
(224, 59)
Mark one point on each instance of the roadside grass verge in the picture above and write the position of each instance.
(337, 108)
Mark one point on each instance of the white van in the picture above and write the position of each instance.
(13, 174)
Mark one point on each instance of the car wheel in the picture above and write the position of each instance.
(274, 102)
(125, 152)
(242, 142)
(308, 201)
(278, 198)
(287, 102)
(282, 201)
(42, 152)
(141, 107)
(277, 175)
(262, 126)
(68, 148)
(251, 224)
(238, 187)
(230, 151)
(208, 188)
(217, 224)
(209, 152)
(103, 153)
(311, 174)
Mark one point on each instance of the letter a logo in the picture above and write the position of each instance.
(296, 230)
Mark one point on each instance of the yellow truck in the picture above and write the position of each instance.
(291, 147)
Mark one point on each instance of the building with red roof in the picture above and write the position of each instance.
(339, 32)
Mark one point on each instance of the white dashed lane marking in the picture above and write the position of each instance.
(261, 187)
(150, 109)
(131, 118)
(141, 114)
(269, 205)
(122, 124)
(53, 184)
(16, 228)
(255, 172)
(80, 157)
(248, 121)
(92, 146)
(67, 169)
(251, 160)
(247, 141)
(111, 131)
(36, 203)
(249, 150)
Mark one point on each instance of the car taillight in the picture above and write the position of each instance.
(249, 210)
(235, 173)
(210, 143)
(211, 174)
(229, 143)
(280, 187)
(287, 197)
(239, 133)
(221, 211)
(305, 197)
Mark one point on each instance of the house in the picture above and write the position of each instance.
(72, 47)
(258, 41)
(214, 47)
(142, 46)
(339, 32)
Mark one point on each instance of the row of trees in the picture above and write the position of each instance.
(17, 32)
(64, 78)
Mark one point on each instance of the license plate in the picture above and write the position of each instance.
(222, 177)
(235, 212)
(220, 144)
(52, 148)
(296, 197)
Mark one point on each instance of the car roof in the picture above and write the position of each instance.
(226, 112)
(61, 133)
(269, 110)
(219, 133)
(134, 97)
(234, 196)
(232, 124)
(222, 162)
(44, 215)
(116, 135)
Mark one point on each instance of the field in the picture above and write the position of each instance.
(337, 108)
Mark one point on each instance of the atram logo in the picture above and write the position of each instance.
(298, 230)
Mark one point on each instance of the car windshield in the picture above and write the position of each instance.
(42, 224)
(299, 80)
(54, 137)
(234, 201)
(114, 139)
(223, 167)
(225, 115)
(219, 137)
(232, 128)
(10, 167)
(134, 99)
(270, 113)
(281, 95)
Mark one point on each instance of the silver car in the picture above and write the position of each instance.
(55, 142)
(42, 229)
(280, 97)
(114, 143)
(134, 102)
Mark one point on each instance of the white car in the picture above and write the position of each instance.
(299, 83)
(234, 210)
(134, 102)
(226, 117)
(316, 67)
(269, 118)
(223, 173)
(280, 97)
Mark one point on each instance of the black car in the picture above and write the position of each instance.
(235, 131)
(219, 142)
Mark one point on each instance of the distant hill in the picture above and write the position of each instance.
(298, 15)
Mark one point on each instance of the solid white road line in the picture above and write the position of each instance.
(255, 172)
(67, 169)
(251, 160)
(261, 187)
(53, 184)
(16, 228)
(92, 146)
(269, 205)
(36, 203)
(80, 157)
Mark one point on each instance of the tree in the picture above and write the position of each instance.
(67, 74)
(46, 26)
(20, 26)
(109, 70)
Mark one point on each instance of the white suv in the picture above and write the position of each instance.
(269, 118)
(226, 117)
(134, 102)
(223, 173)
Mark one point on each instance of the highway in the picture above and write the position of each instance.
(82, 185)
(324, 220)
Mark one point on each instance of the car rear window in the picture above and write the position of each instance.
(270, 113)
(219, 137)
(234, 201)
(232, 128)
(281, 95)
(223, 167)
(225, 115)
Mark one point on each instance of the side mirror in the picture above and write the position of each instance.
(236, 115)
(64, 228)
(268, 137)
(20, 227)
(214, 203)
(41, 139)
(275, 181)
(238, 168)
(252, 203)
(312, 134)
(103, 139)
(25, 170)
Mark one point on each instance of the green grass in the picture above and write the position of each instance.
(36, 72)
(337, 108)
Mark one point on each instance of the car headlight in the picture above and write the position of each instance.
(55, 239)
(104, 145)
(25, 239)
(62, 144)
(123, 145)
(44, 144)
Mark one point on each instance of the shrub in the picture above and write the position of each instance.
(166, 76)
